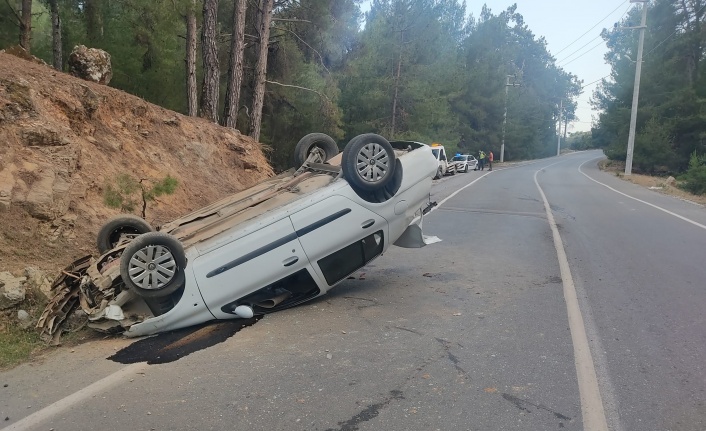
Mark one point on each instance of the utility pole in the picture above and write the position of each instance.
(502, 145)
(636, 87)
(558, 142)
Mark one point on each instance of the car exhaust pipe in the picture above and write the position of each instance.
(275, 301)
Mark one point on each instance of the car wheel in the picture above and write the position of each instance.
(368, 162)
(109, 234)
(153, 265)
(385, 193)
(465, 170)
(309, 142)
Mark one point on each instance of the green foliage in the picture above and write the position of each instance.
(671, 117)
(17, 344)
(694, 180)
(414, 69)
(127, 192)
(580, 141)
(121, 194)
(166, 186)
(653, 150)
(9, 24)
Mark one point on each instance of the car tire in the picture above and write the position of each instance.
(150, 279)
(109, 234)
(368, 162)
(465, 171)
(386, 193)
(311, 141)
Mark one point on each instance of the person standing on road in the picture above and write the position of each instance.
(490, 160)
(481, 159)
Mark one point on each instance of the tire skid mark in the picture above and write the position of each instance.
(454, 360)
(408, 330)
(370, 412)
(373, 410)
(523, 405)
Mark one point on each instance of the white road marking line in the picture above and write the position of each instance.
(640, 200)
(594, 418)
(458, 191)
(64, 404)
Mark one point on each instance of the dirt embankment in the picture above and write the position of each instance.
(65, 141)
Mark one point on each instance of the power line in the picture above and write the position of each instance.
(596, 25)
(596, 46)
(591, 83)
(589, 42)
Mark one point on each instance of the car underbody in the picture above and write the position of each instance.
(96, 286)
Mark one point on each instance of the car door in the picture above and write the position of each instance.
(256, 265)
(339, 236)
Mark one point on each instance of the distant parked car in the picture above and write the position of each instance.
(273, 246)
(464, 162)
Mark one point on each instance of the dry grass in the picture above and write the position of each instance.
(658, 184)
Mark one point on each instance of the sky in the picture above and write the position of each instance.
(571, 29)
(565, 22)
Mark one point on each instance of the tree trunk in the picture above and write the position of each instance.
(235, 69)
(209, 93)
(566, 125)
(57, 57)
(26, 25)
(265, 18)
(394, 99)
(94, 21)
(191, 94)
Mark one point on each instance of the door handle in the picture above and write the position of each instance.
(368, 223)
(290, 261)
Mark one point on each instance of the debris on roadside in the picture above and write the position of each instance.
(64, 301)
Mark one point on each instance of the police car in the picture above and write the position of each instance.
(464, 162)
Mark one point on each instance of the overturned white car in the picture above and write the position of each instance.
(273, 246)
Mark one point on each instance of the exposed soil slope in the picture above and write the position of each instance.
(64, 140)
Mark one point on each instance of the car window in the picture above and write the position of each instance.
(435, 151)
(343, 262)
(460, 158)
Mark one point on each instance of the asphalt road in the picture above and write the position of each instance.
(473, 333)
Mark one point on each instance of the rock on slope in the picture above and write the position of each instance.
(63, 140)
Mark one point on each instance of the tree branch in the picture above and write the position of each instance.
(291, 20)
(296, 86)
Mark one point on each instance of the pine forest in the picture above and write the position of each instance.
(422, 70)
